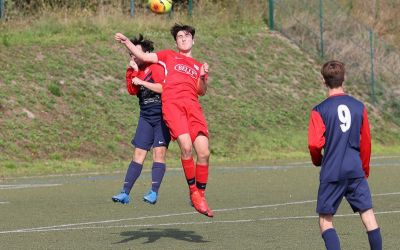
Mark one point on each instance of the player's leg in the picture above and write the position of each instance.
(157, 174)
(201, 146)
(373, 230)
(328, 232)
(175, 116)
(199, 135)
(132, 173)
(203, 155)
(330, 195)
(160, 145)
(359, 198)
(185, 145)
(142, 142)
(134, 169)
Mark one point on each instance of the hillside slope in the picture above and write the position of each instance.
(62, 94)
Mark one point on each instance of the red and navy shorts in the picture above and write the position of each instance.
(184, 117)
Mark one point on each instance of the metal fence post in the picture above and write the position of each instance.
(271, 20)
(2, 9)
(132, 8)
(321, 26)
(190, 7)
(372, 55)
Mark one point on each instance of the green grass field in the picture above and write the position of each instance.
(256, 207)
(64, 107)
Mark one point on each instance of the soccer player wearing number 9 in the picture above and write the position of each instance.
(339, 125)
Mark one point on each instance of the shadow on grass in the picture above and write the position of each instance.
(154, 234)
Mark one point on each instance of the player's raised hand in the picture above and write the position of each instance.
(204, 69)
(119, 37)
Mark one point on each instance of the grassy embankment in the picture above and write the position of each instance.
(64, 108)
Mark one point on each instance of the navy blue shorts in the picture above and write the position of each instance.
(151, 133)
(356, 191)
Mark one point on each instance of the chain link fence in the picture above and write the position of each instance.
(12, 8)
(324, 28)
(327, 30)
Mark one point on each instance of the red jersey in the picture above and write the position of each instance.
(130, 74)
(154, 73)
(182, 75)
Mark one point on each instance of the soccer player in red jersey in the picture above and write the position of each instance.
(339, 126)
(145, 81)
(186, 79)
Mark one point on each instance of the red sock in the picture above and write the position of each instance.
(201, 177)
(188, 168)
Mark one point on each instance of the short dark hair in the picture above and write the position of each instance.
(147, 45)
(179, 27)
(333, 73)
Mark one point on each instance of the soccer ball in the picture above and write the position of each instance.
(160, 6)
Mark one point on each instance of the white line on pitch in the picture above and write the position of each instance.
(167, 215)
(386, 157)
(386, 194)
(18, 186)
(4, 202)
(150, 217)
(195, 223)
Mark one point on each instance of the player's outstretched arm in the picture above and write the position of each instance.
(146, 57)
(156, 87)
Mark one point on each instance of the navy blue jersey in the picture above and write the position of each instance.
(149, 101)
(339, 126)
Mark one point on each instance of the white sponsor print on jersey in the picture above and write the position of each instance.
(196, 67)
(186, 70)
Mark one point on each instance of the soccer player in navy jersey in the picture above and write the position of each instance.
(339, 126)
(145, 81)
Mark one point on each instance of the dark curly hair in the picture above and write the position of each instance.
(179, 27)
(147, 45)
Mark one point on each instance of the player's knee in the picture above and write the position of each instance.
(186, 150)
(139, 156)
(159, 155)
(325, 222)
(204, 154)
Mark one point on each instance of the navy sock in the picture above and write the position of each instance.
(375, 239)
(132, 174)
(331, 239)
(157, 174)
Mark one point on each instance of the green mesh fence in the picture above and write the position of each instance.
(327, 30)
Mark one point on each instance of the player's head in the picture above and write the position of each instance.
(143, 44)
(333, 74)
(184, 36)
